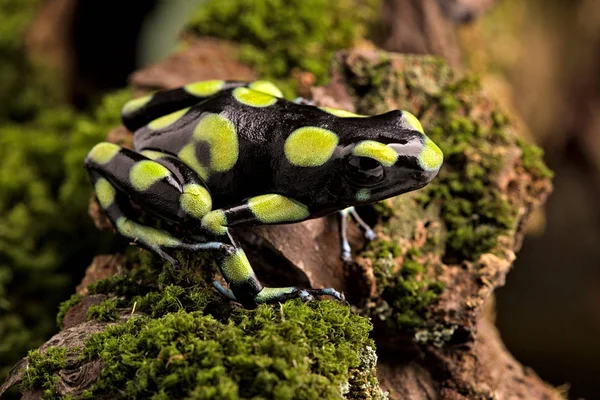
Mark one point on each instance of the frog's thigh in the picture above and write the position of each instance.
(111, 200)
(264, 209)
(153, 181)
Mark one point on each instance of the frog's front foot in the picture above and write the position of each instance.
(369, 232)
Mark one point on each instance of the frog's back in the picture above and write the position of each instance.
(232, 140)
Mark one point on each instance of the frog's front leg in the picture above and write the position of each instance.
(345, 244)
(264, 209)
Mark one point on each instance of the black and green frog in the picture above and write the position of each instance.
(217, 154)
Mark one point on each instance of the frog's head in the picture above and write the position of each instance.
(390, 156)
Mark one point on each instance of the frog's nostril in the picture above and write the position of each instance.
(431, 157)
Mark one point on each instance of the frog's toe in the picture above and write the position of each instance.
(346, 257)
(305, 296)
(328, 292)
(370, 234)
(225, 292)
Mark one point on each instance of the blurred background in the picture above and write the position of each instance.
(64, 68)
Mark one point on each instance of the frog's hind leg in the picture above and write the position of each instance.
(143, 110)
(169, 188)
(344, 216)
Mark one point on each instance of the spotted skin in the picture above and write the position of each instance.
(215, 155)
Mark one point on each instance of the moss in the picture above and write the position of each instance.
(40, 370)
(26, 85)
(409, 293)
(471, 135)
(463, 213)
(294, 350)
(106, 311)
(532, 160)
(279, 36)
(43, 210)
(65, 306)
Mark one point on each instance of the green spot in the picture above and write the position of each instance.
(105, 192)
(363, 194)
(253, 98)
(145, 173)
(169, 119)
(204, 88)
(221, 136)
(135, 104)
(379, 152)
(236, 267)
(102, 153)
(412, 121)
(342, 113)
(153, 155)
(146, 234)
(188, 156)
(310, 146)
(215, 222)
(195, 200)
(266, 87)
(431, 156)
(274, 208)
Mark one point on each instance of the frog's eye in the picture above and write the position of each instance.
(364, 171)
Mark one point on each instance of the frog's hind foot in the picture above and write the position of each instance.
(370, 234)
(271, 295)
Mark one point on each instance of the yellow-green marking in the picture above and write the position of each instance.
(144, 173)
(102, 153)
(135, 104)
(152, 236)
(274, 208)
(204, 88)
(236, 267)
(380, 152)
(188, 155)
(215, 222)
(342, 113)
(105, 192)
(167, 120)
(412, 121)
(431, 156)
(195, 200)
(310, 146)
(222, 139)
(266, 87)
(253, 98)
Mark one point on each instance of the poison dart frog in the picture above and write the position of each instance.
(214, 155)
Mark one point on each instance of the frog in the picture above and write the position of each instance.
(215, 155)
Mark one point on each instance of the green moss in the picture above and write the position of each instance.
(43, 211)
(474, 210)
(105, 311)
(278, 36)
(40, 370)
(408, 292)
(294, 350)
(463, 213)
(532, 160)
(65, 306)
